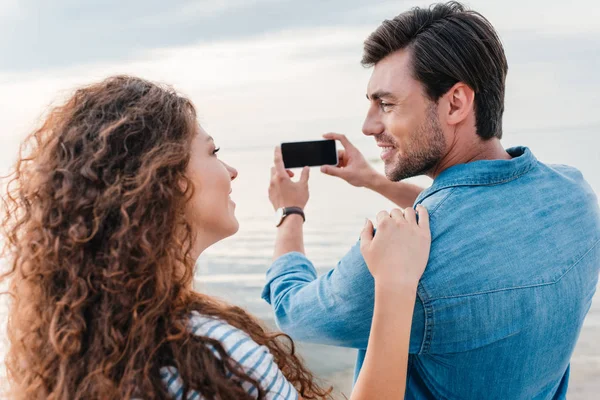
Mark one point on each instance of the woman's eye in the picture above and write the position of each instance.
(215, 151)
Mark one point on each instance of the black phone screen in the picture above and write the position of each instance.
(301, 154)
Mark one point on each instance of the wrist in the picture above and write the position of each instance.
(375, 181)
(289, 204)
(396, 287)
(292, 220)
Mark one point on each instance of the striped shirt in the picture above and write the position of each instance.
(256, 361)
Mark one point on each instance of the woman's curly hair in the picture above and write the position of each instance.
(99, 256)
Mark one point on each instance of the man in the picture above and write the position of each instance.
(515, 256)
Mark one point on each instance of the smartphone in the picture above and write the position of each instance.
(302, 154)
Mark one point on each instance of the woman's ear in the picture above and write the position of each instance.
(186, 186)
(183, 184)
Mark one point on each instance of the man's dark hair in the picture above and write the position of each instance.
(449, 44)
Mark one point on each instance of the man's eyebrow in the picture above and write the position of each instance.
(379, 94)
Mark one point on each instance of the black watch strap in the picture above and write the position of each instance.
(294, 210)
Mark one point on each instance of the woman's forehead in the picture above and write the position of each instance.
(202, 134)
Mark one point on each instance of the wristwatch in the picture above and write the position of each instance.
(285, 211)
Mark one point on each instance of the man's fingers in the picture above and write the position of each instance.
(305, 175)
(331, 170)
(342, 158)
(366, 236)
(410, 215)
(342, 138)
(278, 159)
(423, 217)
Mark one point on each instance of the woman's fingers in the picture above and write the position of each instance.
(305, 174)
(366, 236)
(410, 215)
(381, 216)
(423, 217)
(278, 161)
(397, 214)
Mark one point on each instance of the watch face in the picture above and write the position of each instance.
(278, 216)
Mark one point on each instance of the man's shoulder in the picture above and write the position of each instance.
(544, 182)
(434, 201)
(567, 174)
(503, 235)
(560, 182)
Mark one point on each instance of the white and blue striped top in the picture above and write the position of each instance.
(255, 360)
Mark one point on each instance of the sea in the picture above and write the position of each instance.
(234, 269)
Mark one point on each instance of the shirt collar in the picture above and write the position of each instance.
(483, 172)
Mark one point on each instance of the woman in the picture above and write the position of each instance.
(111, 202)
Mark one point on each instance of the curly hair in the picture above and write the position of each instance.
(99, 249)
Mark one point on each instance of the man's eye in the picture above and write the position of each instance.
(384, 106)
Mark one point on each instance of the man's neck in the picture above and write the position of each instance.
(465, 153)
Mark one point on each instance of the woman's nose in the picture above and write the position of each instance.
(232, 172)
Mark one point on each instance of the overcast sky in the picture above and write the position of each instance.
(265, 70)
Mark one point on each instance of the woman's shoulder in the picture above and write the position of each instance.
(204, 325)
(235, 342)
(256, 360)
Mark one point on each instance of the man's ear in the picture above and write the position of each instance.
(461, 100)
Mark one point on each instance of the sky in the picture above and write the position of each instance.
(265, 71)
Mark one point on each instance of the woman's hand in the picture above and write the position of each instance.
(396, 257)
(283, 192)
(399, 251)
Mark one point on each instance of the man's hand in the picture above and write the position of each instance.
(352, 166)
(283, 192)
(354, 169)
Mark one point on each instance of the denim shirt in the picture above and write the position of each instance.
(513, 267)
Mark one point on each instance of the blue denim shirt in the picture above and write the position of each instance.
(513, 268)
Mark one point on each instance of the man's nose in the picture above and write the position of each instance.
(372, 125)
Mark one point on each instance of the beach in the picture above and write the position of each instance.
(234, 269)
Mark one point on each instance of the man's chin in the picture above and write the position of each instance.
(399, 174)
(393, 176)
(392, 172)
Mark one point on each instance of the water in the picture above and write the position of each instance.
(234, 269)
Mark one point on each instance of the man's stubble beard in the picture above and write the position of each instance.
(423, 152)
